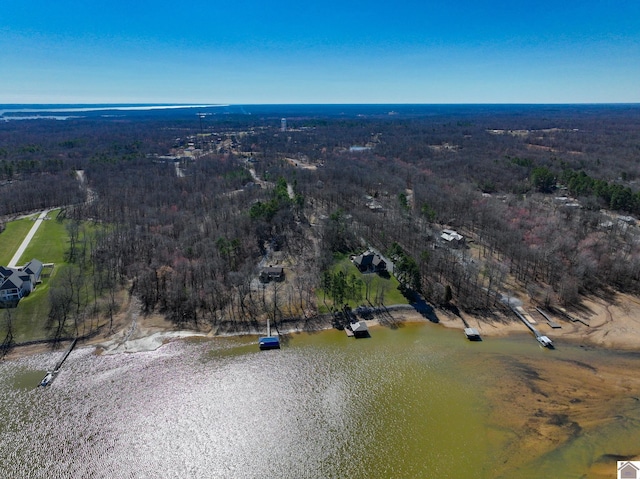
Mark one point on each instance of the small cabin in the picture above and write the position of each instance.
(272, 273)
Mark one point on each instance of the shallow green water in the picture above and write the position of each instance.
(405, 403)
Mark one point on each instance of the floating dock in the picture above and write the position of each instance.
(550, 321)
(472, 334)
(268, 341)
(574, 320)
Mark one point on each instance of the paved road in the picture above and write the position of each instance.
(27, 239)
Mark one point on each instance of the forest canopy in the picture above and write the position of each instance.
(187, 213)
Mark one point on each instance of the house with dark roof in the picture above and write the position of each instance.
(16, 283)
(370, 262)
(11, 290)
(272, 273)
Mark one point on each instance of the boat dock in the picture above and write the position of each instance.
(572, 319)
(550, 321)
(51, 375)
(268, 341)
(472, 334)
(359, 329)
(541, 338)
(520, 311)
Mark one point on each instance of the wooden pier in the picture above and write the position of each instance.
(572, 319)
(550, 321)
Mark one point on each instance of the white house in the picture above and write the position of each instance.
(452, 238)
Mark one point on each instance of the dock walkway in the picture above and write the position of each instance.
(550, 321)
(541, 338)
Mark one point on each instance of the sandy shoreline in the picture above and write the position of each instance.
(613, 325)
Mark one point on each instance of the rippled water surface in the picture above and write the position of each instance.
(405, 403)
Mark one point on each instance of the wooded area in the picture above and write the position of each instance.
(184, 213)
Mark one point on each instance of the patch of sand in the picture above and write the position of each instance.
(613, 324)
(144, 343)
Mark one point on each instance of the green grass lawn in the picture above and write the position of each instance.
(391, 294)
(30, 316)
(11, 238)
(48, 245)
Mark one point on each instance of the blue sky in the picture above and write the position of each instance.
(253, 51)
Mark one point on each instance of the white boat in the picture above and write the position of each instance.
(545, 341)
(47, 379)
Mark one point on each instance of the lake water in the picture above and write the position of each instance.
(407, 403)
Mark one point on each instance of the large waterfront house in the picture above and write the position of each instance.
(16, 283)
(370, 262)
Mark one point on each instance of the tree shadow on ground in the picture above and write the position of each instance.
(385, 318)
(421, 305)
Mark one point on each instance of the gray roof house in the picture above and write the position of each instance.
(15, 284)
(11, 290)
(30, 275)
(369, 262)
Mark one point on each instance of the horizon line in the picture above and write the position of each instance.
(174, 105)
